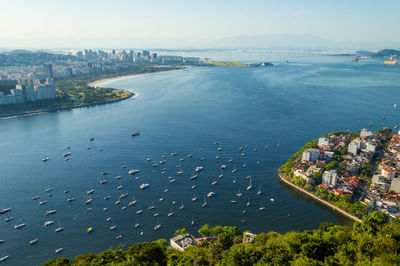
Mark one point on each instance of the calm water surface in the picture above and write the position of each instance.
(184, 112)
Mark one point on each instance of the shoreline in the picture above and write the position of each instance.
(94, 84)
(98, 83)
(326, 203)
(54, 109)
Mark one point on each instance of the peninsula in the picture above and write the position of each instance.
(351, 173)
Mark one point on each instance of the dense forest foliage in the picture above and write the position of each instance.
(374, 241)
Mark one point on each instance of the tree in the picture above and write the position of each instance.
(182, 231)
(204, 230)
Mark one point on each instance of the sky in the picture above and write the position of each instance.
(196, 24)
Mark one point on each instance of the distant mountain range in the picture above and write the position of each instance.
(380, 53)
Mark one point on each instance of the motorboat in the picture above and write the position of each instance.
(144, 186)
(91, 191)
(48, 223)
(18, 226)
(50, 212)
(134, 171)
(35, 197)
(210, 194)
(89, 230)
(58, 250)
(43, 202)
(113, 227)
(199, 168)
(88, 201)
(193, 177)
(136, 133)
(34, 241)
(103, 181)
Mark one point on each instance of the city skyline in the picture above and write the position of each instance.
(179, 24)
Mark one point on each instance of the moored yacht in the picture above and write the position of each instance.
(34, 241)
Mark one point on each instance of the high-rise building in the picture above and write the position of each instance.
(48, 70)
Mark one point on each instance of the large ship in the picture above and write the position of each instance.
(391, 61)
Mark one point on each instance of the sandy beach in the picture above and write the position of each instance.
(100, 82)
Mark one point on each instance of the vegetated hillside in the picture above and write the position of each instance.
(374, 241)
(387, 52)
(22, 57)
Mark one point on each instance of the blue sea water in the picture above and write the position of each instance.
(184, 112)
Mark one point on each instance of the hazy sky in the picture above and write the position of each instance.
(130, 23)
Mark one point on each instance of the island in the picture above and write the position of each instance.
(351, 173)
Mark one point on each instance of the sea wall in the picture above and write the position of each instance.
(333, 207)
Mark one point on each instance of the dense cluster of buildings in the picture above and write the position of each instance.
(344, 178)
(384, 192)
(34, 79)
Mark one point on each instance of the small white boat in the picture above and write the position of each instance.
(248, 203)
(123, 208)
(242, 154)
(162, 162)
(141, 233)
(170, 213)
(132, 172)
(272, 200)
(223, 166)
(204, 202)
(198, 168)
(91, 191)
(108, 219)
(202, 159)
(137, 225)
(219, 149)
(120, 187)
(123, 195)
(259, 190)
(113, 227)
(192, 223)
(234, 171)
(234, 201)
(165, 190)
(117, 202)
(118, 237)
(48, 190)
(50, 212)
(220, 176)
(35, 197)
(88, 201)
(66, 154)
(4, 258)
(34, 241)
(173, 153)
(42, 202)
(19, 226)
(250, 186)
(131, 203)
(149, 159)
(107, 197)
(234, 180)
(103, 181)
(161, 199)
(194, 198)
(70, 199)
(172, 180)
(8, 219)
(261, 208)
(118, 177)
(210, 194)
(182, 206)
(59, 229)
(213, 183)
(58, 250)
(104, 209)
(144, 186)
(139, 211)
(193, 177)
(156, 214)
(239, 194)
(158, 226)
(48, 223)
(1, 241)
(217, 157)
(45, 159)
